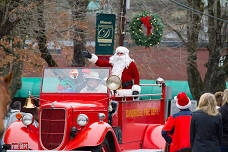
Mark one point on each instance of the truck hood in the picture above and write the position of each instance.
(78, 105)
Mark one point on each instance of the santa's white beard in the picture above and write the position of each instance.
(119, 63)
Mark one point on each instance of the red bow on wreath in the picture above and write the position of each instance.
(147, 24)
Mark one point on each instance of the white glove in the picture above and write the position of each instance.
(123, 92)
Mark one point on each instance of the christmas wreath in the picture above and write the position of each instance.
(154, 28)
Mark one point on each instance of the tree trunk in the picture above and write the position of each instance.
(79, 46)
(7, 25)
(41, 37)
(215, 78)
(194, 79)
(79, 9)
(17, 75)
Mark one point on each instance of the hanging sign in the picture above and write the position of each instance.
(105, 34)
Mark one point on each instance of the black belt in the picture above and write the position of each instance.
(127, 84)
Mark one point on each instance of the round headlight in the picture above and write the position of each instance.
(101, 116)
(113, 82)
(160, 80)
(82, 120)
(27, 119)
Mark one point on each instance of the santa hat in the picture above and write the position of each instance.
(122, 49)
(182, 101)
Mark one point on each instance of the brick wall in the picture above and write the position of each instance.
(168, 63)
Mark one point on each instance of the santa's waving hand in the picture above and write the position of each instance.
(122, 66)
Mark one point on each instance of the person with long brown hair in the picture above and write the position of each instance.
(206, 126)
(224, 112)
(219, 98)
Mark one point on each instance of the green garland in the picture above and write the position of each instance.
(154, 36)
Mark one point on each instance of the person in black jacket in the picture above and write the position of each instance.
(206, 126)
(224, 112)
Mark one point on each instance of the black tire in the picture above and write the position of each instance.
(108, 145)
(118, 134)
(104, 146)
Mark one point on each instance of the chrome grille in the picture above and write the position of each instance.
(52, 127)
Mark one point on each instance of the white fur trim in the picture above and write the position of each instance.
(182, 107)
(123, 92)
(136, 88)
(93, 59)
(122, 49)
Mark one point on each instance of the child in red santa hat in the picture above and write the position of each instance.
(176, 130)
(122, 66)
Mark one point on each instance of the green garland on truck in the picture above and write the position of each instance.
(154, 28)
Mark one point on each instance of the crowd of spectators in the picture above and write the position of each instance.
(203, 130)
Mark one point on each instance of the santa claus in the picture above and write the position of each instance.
(122, 66)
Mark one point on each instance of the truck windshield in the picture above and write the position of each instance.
(75, 80)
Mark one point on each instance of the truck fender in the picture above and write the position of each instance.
(18, 132)
(153, 138)
(92, 136)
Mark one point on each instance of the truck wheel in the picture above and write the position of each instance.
(118, 134)
(104, 147)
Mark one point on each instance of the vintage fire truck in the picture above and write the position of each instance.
(73, 118)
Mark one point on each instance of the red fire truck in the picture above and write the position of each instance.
(75, 117)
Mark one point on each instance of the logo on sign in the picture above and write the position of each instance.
(74, 74)
(104, 34)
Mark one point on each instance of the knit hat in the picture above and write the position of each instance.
(182, 101)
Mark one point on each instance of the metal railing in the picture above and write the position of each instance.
(124, 97)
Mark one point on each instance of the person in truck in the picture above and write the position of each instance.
(122, 66)
(93, 84)
(176, 130)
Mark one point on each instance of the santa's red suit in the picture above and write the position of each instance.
(122, 66)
